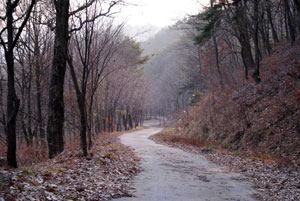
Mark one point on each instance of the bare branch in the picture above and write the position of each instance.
(107, 14)
(12, 6)
(88, 4)
(3, 43)
(22, 25)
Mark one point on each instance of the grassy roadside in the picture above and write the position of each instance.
(171, 137)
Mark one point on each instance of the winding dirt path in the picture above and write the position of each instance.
(174, 175)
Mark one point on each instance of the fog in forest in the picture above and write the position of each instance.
(217, 76)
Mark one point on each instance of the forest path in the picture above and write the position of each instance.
(171, 174)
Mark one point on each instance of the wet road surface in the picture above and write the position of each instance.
(171, 174)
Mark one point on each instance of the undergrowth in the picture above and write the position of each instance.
(37, 152)
(258, 121)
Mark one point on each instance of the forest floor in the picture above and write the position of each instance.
(101, 176)
(275, 183)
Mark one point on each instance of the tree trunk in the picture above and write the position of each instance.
(244, 39)
(37, 55)
(130, 121)
(217, 60)
(265, 38)
(125, 122)
(82, 109)
(83, 125)
(119, 125)
(27, 140)
(297, 5)
(56, 99)
(290, 23)
(90, 120)
(274, 34)
(217, 54)
(247, 56)
(29, 115)
(255, 75)
(13, 102)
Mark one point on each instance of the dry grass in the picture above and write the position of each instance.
(38, 152)
(170, 135)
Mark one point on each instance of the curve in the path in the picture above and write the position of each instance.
(174, 175)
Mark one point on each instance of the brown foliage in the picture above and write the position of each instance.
(37, 153)
(260, 120)
(167, 136)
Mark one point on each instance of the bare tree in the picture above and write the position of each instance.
(56, 90)
(9, 42)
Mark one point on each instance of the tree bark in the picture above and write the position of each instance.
(247, 56)
(265, 38)
(297, 5)
(82, 109)
(217, 60)
(256, 75)
(83, 125)
(274, 34)
(29, 110)
(130, 121)
(244, 38)
(56, 99)
(39, 90)
(125, 122)
(13, 102)
(217, 54)
(290, 23)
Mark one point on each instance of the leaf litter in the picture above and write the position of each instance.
(103, 175)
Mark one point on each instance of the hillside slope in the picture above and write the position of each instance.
(262, 120)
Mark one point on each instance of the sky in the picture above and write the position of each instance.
(156, 14)
(159, 13)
